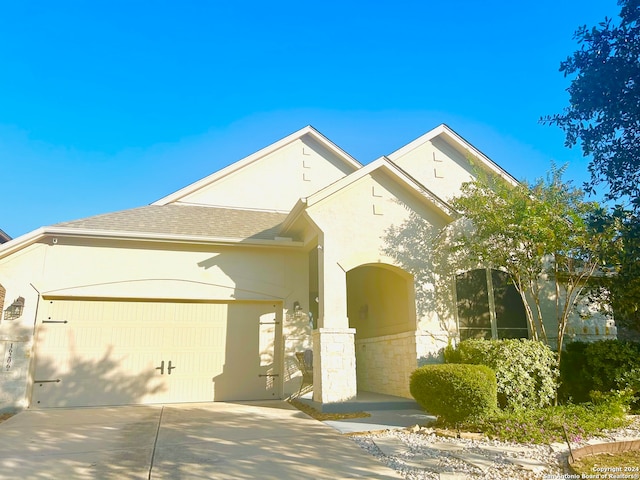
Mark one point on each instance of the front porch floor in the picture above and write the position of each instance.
(364, 401)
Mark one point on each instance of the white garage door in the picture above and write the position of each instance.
(103, 352)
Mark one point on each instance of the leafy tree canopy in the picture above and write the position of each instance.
(532, 229)
(623, 254)
(604, 110)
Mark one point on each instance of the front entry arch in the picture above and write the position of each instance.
(381, 308)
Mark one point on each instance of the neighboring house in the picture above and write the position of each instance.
(4, 237)
(206, 294)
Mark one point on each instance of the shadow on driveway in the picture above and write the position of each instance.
(248, 440)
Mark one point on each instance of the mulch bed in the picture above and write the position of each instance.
(312, 412)
(4, 416)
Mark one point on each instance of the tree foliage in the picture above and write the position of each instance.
(602, 366)
(534, 232)
(623, 257)
(604, 105)
(604, 117)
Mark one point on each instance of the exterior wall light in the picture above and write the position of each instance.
(14, 311)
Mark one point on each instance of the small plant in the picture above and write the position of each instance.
(526, 370)
(455, 392)
(549, 424)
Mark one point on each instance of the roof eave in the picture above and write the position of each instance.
(294, 214)
(37, 235)
(171, 238)
(444, 129)
(21, 242)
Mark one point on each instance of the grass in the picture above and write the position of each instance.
(312, 412)
(605, 463)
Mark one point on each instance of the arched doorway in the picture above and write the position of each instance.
(381, 308)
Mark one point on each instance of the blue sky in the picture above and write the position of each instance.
(106, 106)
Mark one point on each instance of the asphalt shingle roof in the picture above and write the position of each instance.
(192, 221)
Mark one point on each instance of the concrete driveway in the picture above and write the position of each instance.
(252, 440)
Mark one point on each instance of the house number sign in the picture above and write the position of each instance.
(8, 358)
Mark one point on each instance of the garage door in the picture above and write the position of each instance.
(114, 352)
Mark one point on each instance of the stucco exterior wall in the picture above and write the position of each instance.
(438, 166)
(296, 338)
(17, 273)
(379, 301)
(353, 237)
(139, 270)
(356, 236)
(589, 320)
(277, 181)
(101, 269)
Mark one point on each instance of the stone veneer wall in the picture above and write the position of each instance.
(384, 364)
(334, 365)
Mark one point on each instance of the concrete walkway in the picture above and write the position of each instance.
(382, 420)
(265, 440)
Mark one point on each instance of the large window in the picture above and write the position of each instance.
(489, 306)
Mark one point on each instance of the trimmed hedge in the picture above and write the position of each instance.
(455, 392)
(526, 370)
(603, 366)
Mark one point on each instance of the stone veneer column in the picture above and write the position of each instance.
(334, 365)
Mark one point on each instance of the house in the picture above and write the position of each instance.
(207, 293)
(4, 237)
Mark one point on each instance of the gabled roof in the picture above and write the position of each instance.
(382, 163)
(306, 131)
(460, 144)
(164, 222)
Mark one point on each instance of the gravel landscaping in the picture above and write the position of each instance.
(420, 453)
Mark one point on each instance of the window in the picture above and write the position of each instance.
(489, 306)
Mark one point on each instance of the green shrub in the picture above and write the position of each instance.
(606, 365)
(575, 382)
(454, 392)
(526, 370)
(549, 424)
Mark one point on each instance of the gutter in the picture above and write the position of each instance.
(44, 232)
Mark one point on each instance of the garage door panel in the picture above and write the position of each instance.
(112, 352)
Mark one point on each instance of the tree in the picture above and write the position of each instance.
(623, 257)
(604, 105)
(604, 116)
(536, 233)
